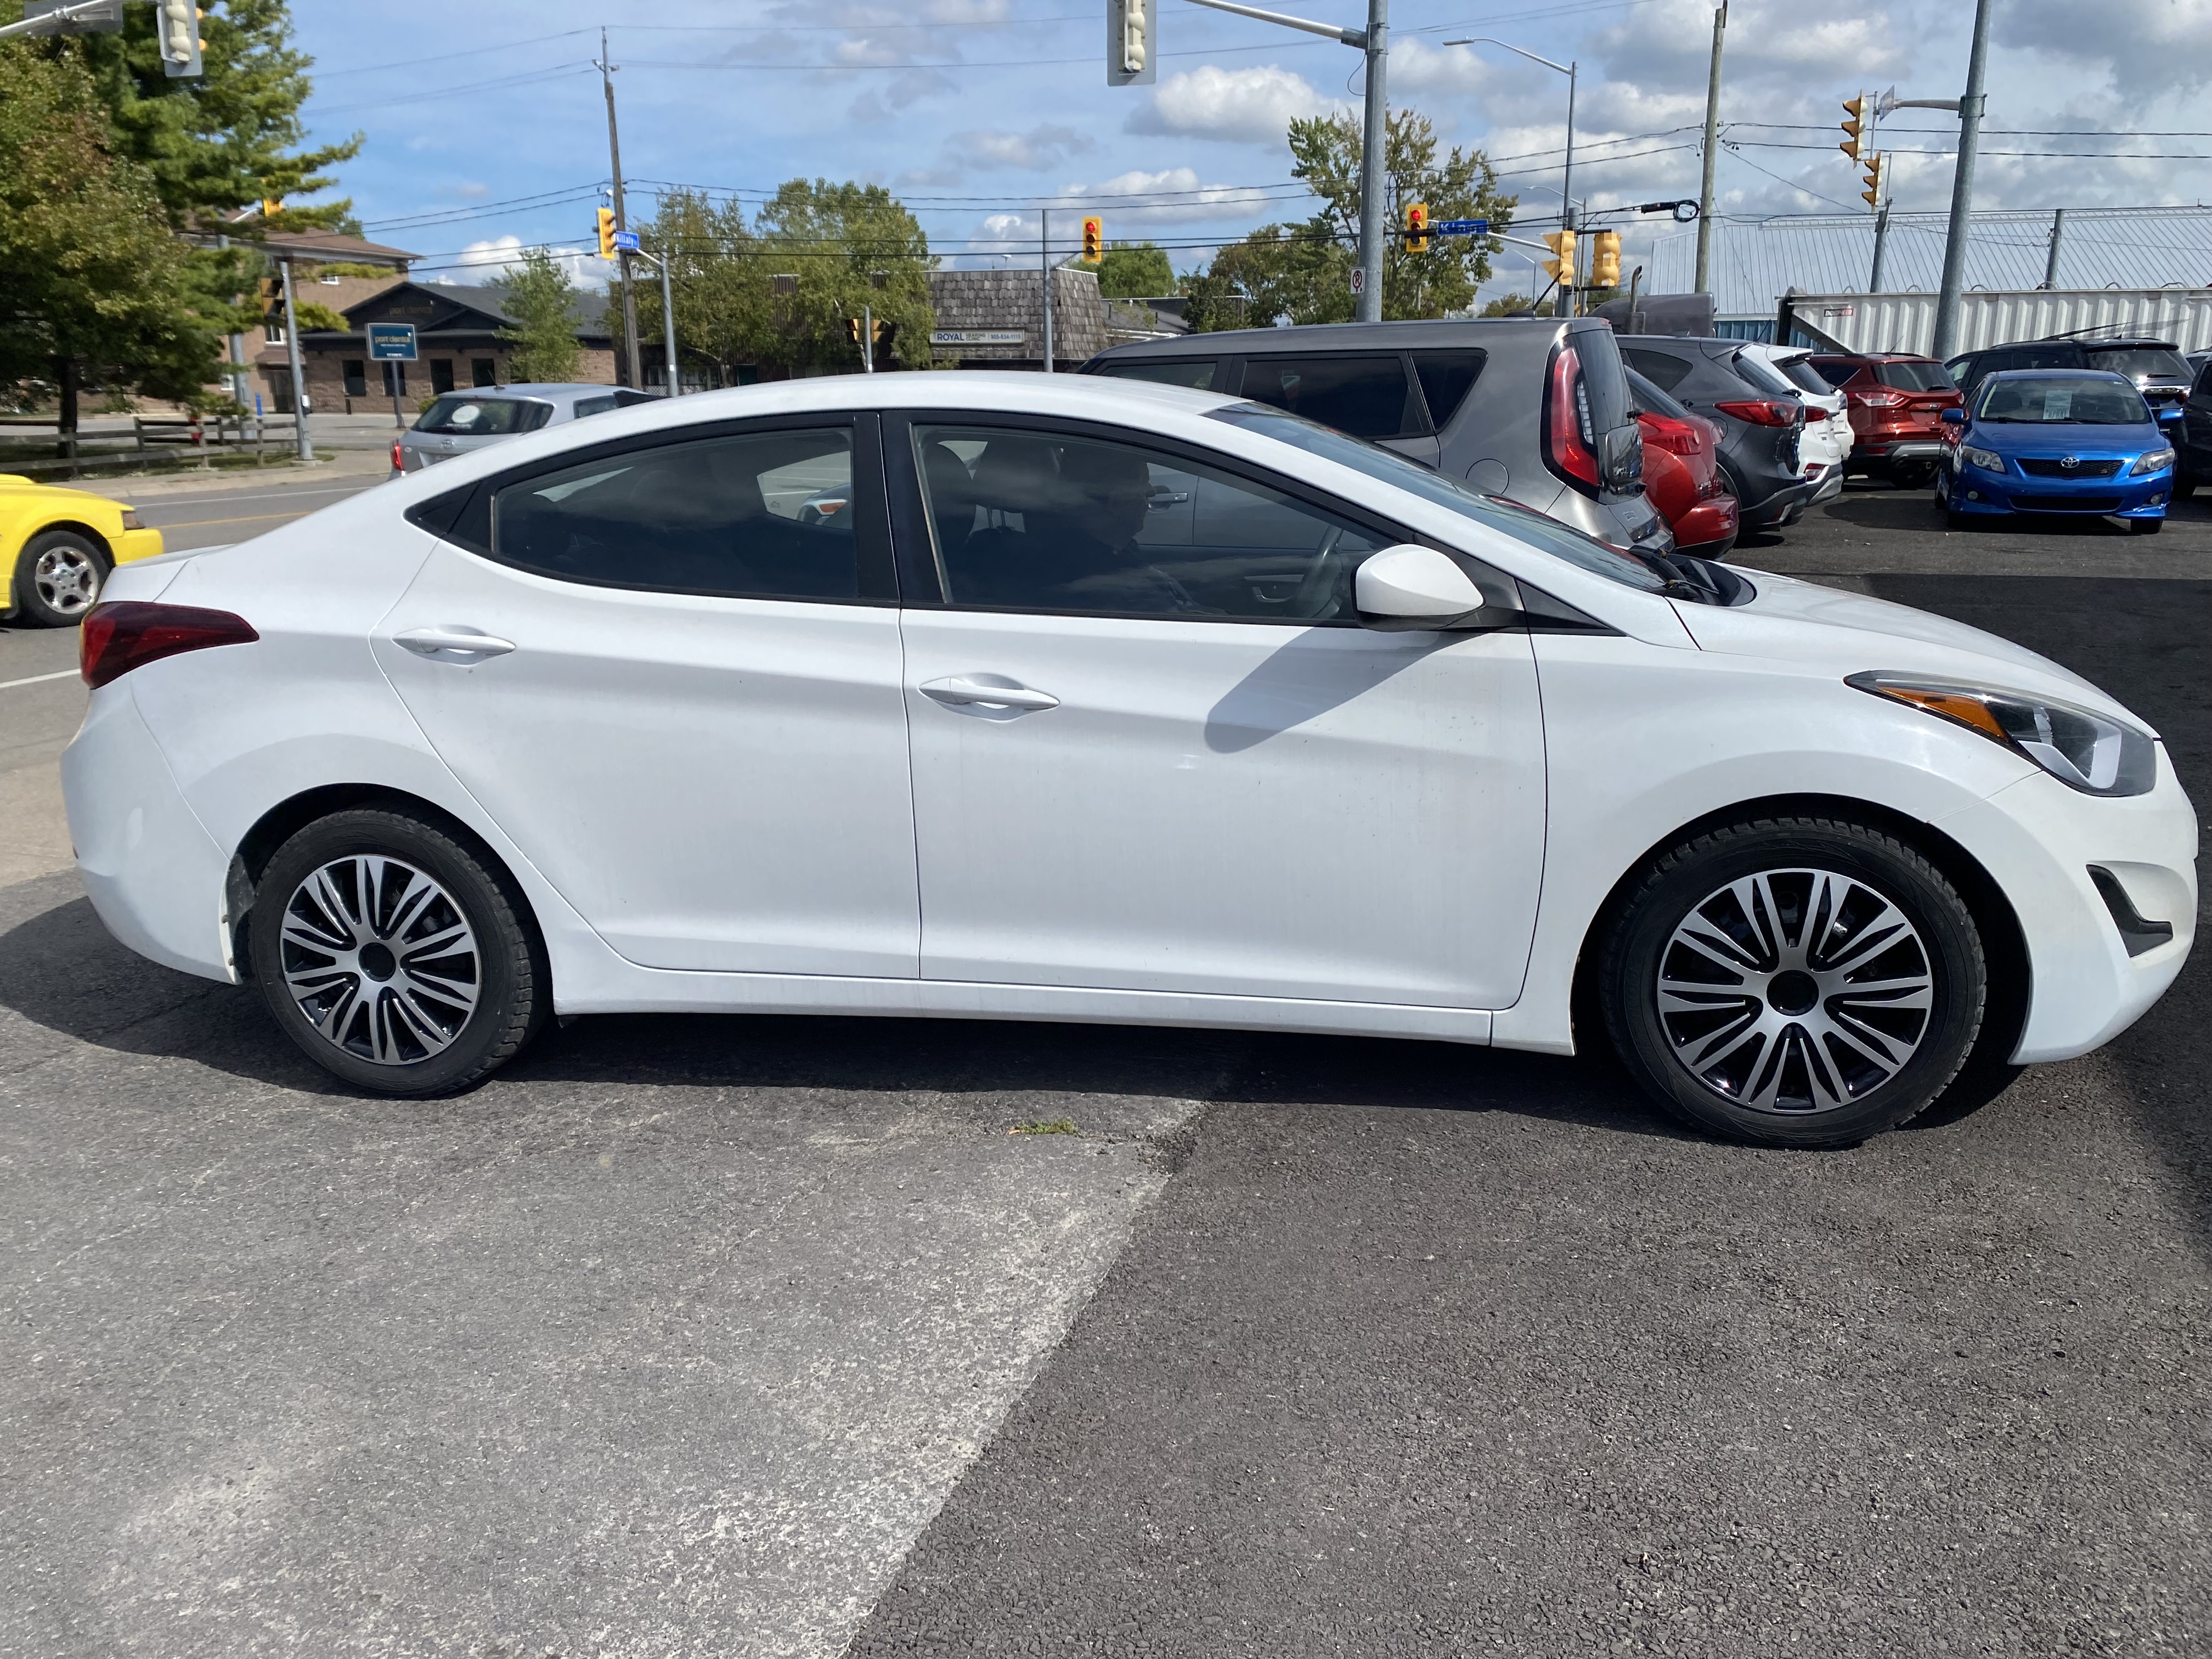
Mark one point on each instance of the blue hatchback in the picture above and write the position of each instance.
(2057, 440)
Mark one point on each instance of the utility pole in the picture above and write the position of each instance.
(302, 444)
(1712, 144)
(668, 323)
(629, 374)
(1374, 164)
(2050, 264)
(1044, 256)
(1962, 190)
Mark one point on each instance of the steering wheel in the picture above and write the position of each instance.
(1317, 584)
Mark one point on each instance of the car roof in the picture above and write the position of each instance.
(1342, 337)
(537, 389)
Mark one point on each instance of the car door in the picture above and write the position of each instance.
(680, 699)
(1154, 751)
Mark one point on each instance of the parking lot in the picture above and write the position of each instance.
(783, 1337)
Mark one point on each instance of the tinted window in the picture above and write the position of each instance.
(1803, 374)
(1196, 373)
(593, 405)
(1363, 396)
(723, 515)
(1649, 399)
(1035, 521)
(1763, 376)
(1662, 368)
(1835, 370)
(1446, 378)
(2087, 400)
(2141, 363)
(467, 416)
(1914, 377)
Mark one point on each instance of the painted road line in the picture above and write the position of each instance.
(39, 679)
(182, 499)
(251, 518)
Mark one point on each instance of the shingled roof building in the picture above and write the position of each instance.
(995, 319)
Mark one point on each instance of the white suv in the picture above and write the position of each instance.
(1827, 438)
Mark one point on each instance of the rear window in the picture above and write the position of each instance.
(1802, 373)
(2141, 363)
(1763, 376)
(1915, 377)
(1663, 368)
(1366, 397)
(1196, 373)
(1835, 370)
(465, 415)
(1446, 378)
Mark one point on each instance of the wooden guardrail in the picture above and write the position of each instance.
(151, 434)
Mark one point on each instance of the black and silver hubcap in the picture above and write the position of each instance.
(67, 579)
(1795, 991)
(380, 959)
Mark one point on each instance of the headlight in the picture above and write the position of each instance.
(1989, 460)
(2157, 461)
(2084, 750)
(132, 522)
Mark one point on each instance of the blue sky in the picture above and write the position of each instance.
(486, 129)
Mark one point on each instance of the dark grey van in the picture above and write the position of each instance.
(1533, 409)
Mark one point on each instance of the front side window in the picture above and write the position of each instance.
(1196, 373)
(2063, 399)
(1363, 396)
(724, 515)
(462, 416)
(1030, 521)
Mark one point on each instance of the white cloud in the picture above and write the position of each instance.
(499, 257)
(1040, 147)
(1246, 105)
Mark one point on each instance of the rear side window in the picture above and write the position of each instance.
(746, 516)
(465, 415)
(1650, 400)
(1196, 373)
(1662, 368)
(1367, 397)
(1836, 371)
(1446, 378)
(1915, 377)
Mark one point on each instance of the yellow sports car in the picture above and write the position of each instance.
(58, 546)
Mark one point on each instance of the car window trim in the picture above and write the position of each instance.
(462, 517)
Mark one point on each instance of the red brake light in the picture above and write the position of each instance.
(116, 638)
(1567, 429)
(398, 461)
(1764, 411)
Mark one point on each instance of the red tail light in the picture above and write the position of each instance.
(399, 460)
(1882, 400)
(1764, 411)
(1568, 433)
(1675, 437)
(114, 639)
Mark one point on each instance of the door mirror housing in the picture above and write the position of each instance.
(1954, 417)
(1408, 587)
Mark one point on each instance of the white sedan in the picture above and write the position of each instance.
(1095, 699)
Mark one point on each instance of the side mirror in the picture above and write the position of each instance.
(1954, 417)
(1407, 587)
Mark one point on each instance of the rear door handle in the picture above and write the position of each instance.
(454, 642)
(959, 692)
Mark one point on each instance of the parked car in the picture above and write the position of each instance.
(459, 421)
(590, 722)
(2192, 436)
(1535, 408)
(1827, 445)
(1897, 403)
(1681, 472)
(2057, 440)
(1760, 417)
(2155, 367)
(58, 546)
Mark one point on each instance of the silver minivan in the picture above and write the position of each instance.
(459, 421)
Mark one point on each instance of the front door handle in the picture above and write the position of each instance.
(963, 692)
(452, 641)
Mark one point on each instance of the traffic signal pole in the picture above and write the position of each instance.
(1962, 190)
(630, 371)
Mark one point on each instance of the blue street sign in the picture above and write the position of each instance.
(1460, 227)
(392, 342)
(626, 241)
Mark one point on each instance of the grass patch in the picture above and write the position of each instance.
(1047, 1126)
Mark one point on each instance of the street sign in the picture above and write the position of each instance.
(1460, 227)
(625, 241)
(979, 337)
(392, 342)
(1358, 279)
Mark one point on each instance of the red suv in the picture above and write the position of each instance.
(1897, 403)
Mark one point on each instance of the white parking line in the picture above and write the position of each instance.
(39, 679)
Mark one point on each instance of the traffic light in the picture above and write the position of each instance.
(1416, 227)
(1857, 110)
(1605, 260)
(606, 232)
(177, 24)
(884, 332)
(1094, 240)
(1560, 267)
(852, 331)
(1877, 172)
(1130, 30)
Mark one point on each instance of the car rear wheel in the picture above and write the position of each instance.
(398, 959)
(58, 578)
(1802, 982)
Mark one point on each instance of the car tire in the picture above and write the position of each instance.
(2145, 526)
(1710, 1009)
(1914, 475)
(399, 959)
(59, 578)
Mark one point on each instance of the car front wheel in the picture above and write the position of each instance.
(58, 578)
(398, 959)
(1802, 982)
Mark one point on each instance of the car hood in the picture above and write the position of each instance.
(1829, 631)
(2070, 435)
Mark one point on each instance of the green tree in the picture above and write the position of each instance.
(719, 277)
(543, 302)
(229, 139)
(94, 282)
(1132, 270)
(1508, 304)
(1303, 273)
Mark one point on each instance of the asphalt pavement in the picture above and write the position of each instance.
(766, 1336)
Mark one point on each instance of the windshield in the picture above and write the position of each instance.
(1914, 377)
(2142, 363)
(2062, 399)
(1507, 517)
(468, 417)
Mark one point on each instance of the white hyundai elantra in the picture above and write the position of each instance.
(1017, 698)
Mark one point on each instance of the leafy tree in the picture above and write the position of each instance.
(1129, 271)
(719, 277)
(543, 302)
(312, 317)
(1303, 273)
(1508, 304)
(229, 139)
(96, 283)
